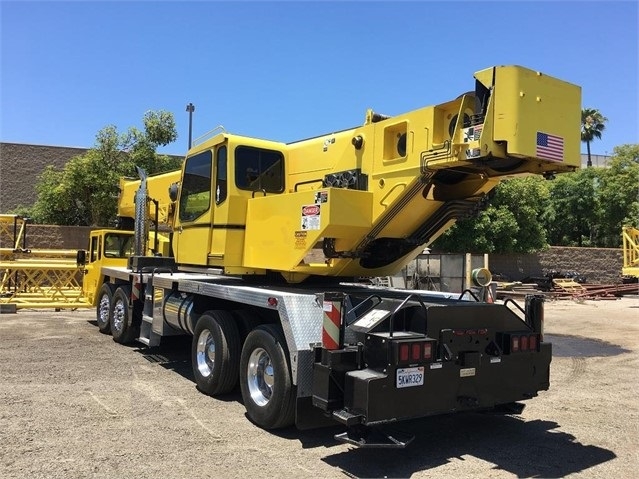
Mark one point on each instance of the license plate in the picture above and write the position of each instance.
(409, 377)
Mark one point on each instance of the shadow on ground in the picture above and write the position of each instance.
(565, 346)
(525, 449)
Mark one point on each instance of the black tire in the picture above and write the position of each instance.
(122, 318)
(247, 320)
(265, 378)
(103, 308)
(215, 353)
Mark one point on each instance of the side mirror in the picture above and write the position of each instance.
(173, 191)
(81, 257)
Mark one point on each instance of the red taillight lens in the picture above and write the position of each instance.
(428, 350)
(403, 352)
(514, 344)
(416, 351)
(532, 343)
(523, 344)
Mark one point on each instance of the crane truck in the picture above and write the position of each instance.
(269, 240)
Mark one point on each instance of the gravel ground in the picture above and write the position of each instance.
(75, 404)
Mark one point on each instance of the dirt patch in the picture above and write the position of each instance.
(73, 403)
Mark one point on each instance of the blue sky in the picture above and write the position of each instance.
(290, 70)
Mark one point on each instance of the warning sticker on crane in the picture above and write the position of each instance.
(311, 216)
(473, 133)
(300, 240)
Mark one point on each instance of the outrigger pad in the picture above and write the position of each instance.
(371, 437)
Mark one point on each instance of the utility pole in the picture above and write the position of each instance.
(190, 108)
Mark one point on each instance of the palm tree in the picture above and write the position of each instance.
(592, 124)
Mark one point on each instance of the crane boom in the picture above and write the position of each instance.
(364, 201)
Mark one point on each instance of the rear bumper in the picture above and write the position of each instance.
(447, 387)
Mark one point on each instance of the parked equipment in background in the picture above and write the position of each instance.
(630, 270)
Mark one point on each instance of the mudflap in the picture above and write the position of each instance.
(374, 437)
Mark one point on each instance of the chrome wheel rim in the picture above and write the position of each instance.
(119, 314)
(260, 377)
(103, 310)
(205, 353)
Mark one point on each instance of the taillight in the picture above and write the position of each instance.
(403, 352)
(524, 343)
(411, 352)
(514, 344)
(416, 351)
(428, 350)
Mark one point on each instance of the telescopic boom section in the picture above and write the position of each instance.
(364, 201)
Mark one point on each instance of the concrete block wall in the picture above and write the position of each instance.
(20, 167)
(57, 237)
(599, 265)
(50, 237)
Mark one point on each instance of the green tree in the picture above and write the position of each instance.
(85, 191)
(619, 194)
(574, 212)
(512, 222)
(592, 125)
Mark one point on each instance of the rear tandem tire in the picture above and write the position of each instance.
(122, 320)
(215, 353)
(103, 310)
(265, 378)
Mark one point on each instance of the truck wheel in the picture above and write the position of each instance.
(246, 321)
(103, 311)
(122, 325)
(265, 378)
(215, 353)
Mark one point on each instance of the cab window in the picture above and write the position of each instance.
(95, 249)
(220, 175)
(118, 246)
(257, 169)
(195, 196)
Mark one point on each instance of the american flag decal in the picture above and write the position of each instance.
(550, 147)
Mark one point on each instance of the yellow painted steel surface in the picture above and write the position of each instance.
(36, 278)
(42, 283)
(48, 278)
(12, 230)
(630, 251)
(364, 201)
(158, 190)
(107, 248)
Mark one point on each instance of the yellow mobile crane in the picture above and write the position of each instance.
(269, 238)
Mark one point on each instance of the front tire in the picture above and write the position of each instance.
(103, 310)
(215, 353)
(265, 378)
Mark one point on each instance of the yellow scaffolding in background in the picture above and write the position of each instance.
(36, 278)
(630, 252)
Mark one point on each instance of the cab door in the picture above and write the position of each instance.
(194, 212)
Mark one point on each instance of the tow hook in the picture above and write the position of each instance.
(374, 437)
